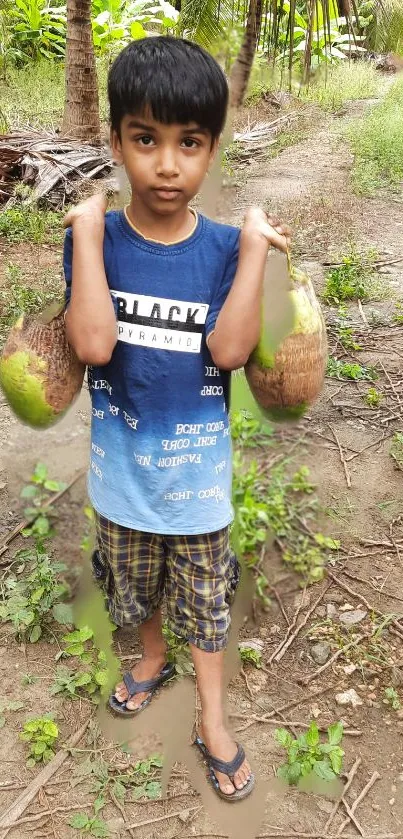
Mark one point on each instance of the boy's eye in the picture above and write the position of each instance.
(145, 140)
(189, 143)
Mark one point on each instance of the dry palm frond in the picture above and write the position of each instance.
(50, 165)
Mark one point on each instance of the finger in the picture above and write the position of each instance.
(277, 239)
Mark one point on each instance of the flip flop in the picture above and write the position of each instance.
(149, 686)
(227, 768)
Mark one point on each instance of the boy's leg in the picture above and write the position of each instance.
(135, 572)
(210, 682)
(152, 661)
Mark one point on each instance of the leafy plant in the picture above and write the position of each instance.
(93, 825)
(349, 370)
(140, 781)
(309, 559)
(354, 279)
(30, 602)
(249, 431)
(115, 23)
(392, 698)
(39, 513)
(306, 755)
(396, 449)
(250, 656)
(398, 314)
(178, 652)
(37, 29)
(27, 223)
(41, 733)
(90, 679)
(373, 397)
(344, 331)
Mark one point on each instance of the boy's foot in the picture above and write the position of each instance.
(145, 669)
(222, 746)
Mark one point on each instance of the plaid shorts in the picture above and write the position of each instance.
(198, 575)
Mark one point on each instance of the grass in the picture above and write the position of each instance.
(396, 449)
(17, 297)
(33, 96)
(342, 83)
(355, 278)
(337, 369)
(377, 143)
(23, 223)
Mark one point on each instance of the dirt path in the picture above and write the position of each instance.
(346, 447)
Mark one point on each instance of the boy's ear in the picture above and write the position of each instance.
(116, 146)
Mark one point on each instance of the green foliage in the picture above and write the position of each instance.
(385, 32)
(310, 559)
(39, 513)
(178, 652)
(373, 397)
(354, 279)
(392, 698)
(139, 782)
(306, 755)
(250, 656)
(344, 331)
(333, 86)
(27, 223)
(89, 676)
(17, 296)
(41, 733)
(37, 30)
(398, 314)
(337, 369)
(116, 23)
(30, 602)
(92, 825)
(377, 143)
(249, 431)
(396, 449)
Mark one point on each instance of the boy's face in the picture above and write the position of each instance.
(165, 164)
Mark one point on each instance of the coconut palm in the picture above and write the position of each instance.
(81, 109)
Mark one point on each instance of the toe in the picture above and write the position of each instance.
(227, 788)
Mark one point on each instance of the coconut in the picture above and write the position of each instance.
(286, 381)
(40, 373)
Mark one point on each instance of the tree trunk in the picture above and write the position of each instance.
(81, 107)
(242, 66)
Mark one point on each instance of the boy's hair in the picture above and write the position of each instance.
(177, 80)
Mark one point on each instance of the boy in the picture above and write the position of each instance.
(186, 295)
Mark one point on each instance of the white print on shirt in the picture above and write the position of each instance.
(187, 428)
(100, 384)
(226, 432)
(114, 410)
(211, 371)
(183, 495)
(132, 423)
(211, 390)
(142, 459)
(212, 492)
(97, 449)
(97, 413)
(159, 322)
(96, 469)
(220, 467)
(178, 460)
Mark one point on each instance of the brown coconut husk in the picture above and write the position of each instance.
(45, 339)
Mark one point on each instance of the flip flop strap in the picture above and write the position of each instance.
(134, 687)
(228, 767)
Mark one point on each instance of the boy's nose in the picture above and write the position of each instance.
(167, 165)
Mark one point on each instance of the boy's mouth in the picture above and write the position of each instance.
(167, 193)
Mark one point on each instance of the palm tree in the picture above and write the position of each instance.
(81, 108)
(242, 66)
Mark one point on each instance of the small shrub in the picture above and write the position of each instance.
(27, 223)
(392, 698)
(249, 655)
(373, 398)
(349, 370)
(248, 431)
(354, 279)
(339, 83)
(396, 449)
(306, 755)
(41, 733)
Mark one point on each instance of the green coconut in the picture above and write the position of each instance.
(40, 373)
(286, 381)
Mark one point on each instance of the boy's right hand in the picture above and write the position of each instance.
(90, 213)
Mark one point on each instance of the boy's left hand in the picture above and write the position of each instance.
(258, 226)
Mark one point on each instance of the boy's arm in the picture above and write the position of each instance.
(90, 318)
(237, 329)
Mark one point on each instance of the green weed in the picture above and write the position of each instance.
(250, 656)
(354, 279)
(27, 223)
(30, 602)
(178, 652)
(373, 397)
(309, 559)
(337, 84)
(377, 143)
(337, 369)
(344, 331)
(249, 431)
(141, 781)
(392, 698)
(306, 755)
(41, 733)
(39, 513)
(94, 825)
(398, 314)
(396, 449)
(92, 679)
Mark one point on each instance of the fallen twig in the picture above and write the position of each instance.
(342, 458)
(162, 818)
(287, 707)
(362, 313)
(122, 811)
(350, 778)
(300, 626)
(351, 732)
(306, 679)
(375, 777)
(48, 503)
(394, 622)
(12, 813)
